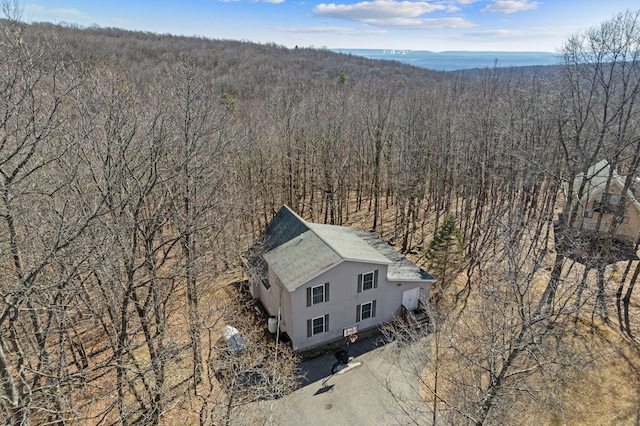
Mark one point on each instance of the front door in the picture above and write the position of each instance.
(410, 298)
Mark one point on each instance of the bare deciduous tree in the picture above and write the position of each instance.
(597, 119)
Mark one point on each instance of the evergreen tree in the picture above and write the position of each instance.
(445, 255)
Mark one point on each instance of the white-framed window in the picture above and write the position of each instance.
(317, 294)
(366, 311)
(367, 281)
(317, 325)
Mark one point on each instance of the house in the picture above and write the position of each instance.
(601, 198)
(323, 281)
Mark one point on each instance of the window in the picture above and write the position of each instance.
(625, 219)
(317, 294)
(588, 214)
(367, 281)
(317, 325)
(265, 283)
(366, 311)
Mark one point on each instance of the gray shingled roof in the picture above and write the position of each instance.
(300, 259)
(285, 226)
(297, 250)
(347, 244)
(401, 268)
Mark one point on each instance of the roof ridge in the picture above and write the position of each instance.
(331, 246)
(296, 215)
(352, 232)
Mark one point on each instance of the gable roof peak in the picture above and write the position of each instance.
(599, 177)
(289, 210)
(298, 250)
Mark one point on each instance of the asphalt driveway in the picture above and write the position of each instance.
(318, 368)
(382, 390)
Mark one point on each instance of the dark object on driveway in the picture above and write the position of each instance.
(342, 356)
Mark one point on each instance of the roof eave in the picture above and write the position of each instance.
(416, 280)
(313, 276)
(375, 262)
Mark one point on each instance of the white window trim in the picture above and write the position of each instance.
(321, 286)
(372, 311)
(370, 303)
(313, 328)
(373, 277)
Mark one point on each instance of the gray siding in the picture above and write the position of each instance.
(343, 300)
(277, 297)
(298, 255)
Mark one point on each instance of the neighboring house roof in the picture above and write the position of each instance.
(305, 250)
(597, 177)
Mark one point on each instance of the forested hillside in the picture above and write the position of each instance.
(135, 169)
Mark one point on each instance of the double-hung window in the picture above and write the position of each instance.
(317, 294)
(367, 281)
(366, 311)
(317, 325)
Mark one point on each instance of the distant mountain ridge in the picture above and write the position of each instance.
(457, 60)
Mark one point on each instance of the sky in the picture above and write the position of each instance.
(441, 25)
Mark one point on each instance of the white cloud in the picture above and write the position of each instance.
(37, 12)
(511, 6)
(495, 33)
(424, 23)
(403, 14)
(377, 9)
(328, 30)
